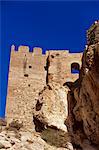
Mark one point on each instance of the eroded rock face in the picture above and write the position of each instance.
(51, 107)
(50, 114)
(89, 94)
(83, 119)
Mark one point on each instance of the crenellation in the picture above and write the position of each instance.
(37, 51)
(23, 49)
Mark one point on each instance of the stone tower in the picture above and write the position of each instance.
(26, 78)
(28, 74)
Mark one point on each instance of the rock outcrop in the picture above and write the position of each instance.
(51, 107)
(83, 98)
(12, 138)
(50, 114)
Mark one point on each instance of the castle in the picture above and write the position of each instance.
(28, 74)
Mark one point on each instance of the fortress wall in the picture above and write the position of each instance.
(27, 77)
(60, 66)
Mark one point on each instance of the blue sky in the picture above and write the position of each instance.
(47, 24)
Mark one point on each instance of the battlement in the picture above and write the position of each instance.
(38, 51)
(36, 55)
(26, 49)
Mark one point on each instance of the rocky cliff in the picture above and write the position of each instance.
(83, 99)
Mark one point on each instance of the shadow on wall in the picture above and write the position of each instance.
(55, 137)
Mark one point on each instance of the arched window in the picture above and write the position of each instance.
(75, 68)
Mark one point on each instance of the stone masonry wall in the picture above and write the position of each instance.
(28, 74)
(26, 78)
(59, 68)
